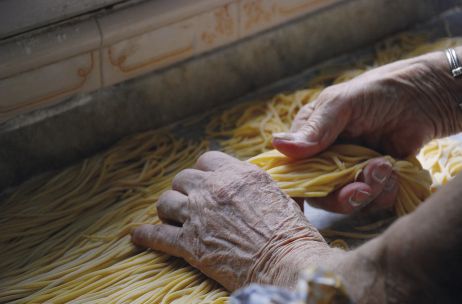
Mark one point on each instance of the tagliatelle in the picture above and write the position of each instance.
(65, 235)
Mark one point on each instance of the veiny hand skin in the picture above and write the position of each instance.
(394, 109)
(228, 218)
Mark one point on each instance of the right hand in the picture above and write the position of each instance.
(394, 109)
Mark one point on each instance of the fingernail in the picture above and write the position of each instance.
(390, 184)
(284, 136)
(381, 173)
(359, 198)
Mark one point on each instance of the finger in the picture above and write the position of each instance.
(300, 119)
(161, 237)
(387, 198)
(376, 174)
(316, 134)
(214, 160)
(346, 200)
(187, 180)
(368, 191)
(302, 116)
(172, 206)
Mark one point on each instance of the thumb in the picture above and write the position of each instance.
(314, 135)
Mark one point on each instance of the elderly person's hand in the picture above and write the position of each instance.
(229, 219)
(394, 109)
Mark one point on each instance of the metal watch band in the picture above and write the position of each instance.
(454, 64)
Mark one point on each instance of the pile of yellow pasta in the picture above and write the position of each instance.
(65, 235)
(65, 238)
(443, 159)
(340, 165)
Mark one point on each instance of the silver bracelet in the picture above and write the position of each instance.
(454, 64)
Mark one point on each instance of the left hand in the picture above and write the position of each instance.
(229, 219)
(376, 188)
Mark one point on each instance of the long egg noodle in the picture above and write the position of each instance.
(443, 158)
(340, 165)
(65, 235)
(67, 239)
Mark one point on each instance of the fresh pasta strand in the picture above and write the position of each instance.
(83, 252)
(339, 165)
(443, 158)
(248, 128)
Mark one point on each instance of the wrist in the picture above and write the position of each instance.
(286, 254)
(361, 270)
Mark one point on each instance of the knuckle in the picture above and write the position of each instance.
(391, 185)
(177, 177)
(329, 93)
(309, 127)
(161, 209)
(187, 172)
(314, 127)
(163, 198)
(212, 154)
(257, 172)
(422, 68)
(335, 97)
(305, 112)
(207, 156)
(183, 176)
(253, 167)
(253, 173)
(302, 116)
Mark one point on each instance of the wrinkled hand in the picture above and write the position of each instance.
(394, 109)
(230, 220)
